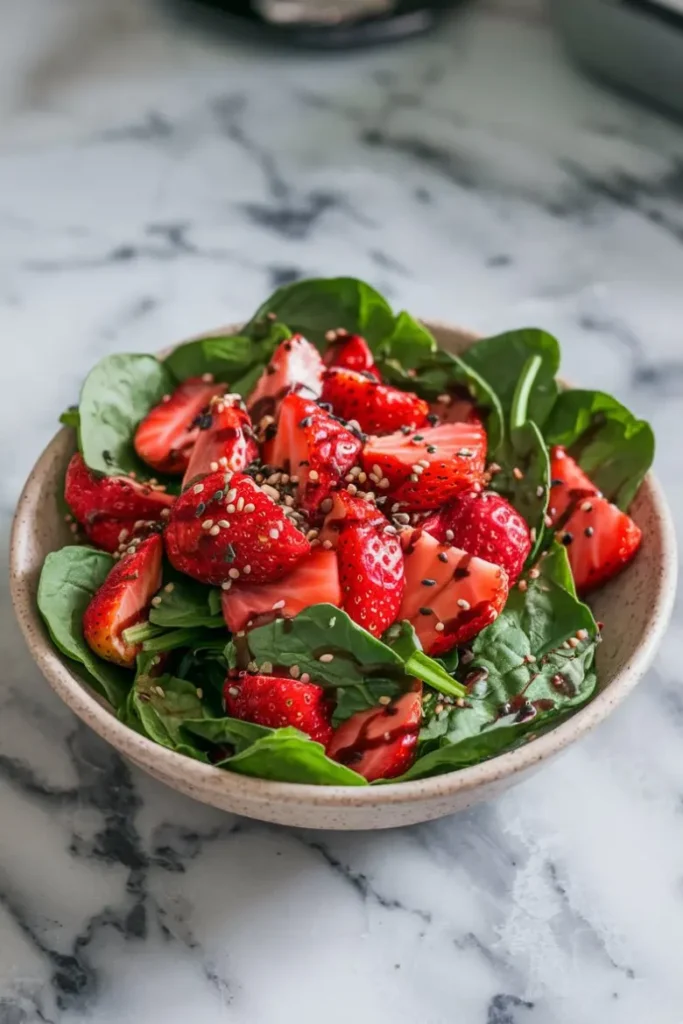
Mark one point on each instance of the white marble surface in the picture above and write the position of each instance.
(156, 180)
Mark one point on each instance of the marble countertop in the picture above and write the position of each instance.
(157, 179)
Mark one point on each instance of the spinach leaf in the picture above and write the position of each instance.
(226, 732)
(160, 705)
(287, 755)
(188, 604)
(613, 447)
(409, 345)
(237, 359)
(403, 639)
(207, 669)
(315, 306)
(117, 394)
(527, 670)
(70, 417)
(68, 581)
(500, 361)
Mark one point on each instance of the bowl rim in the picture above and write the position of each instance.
(92, 709)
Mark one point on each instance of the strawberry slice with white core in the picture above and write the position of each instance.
(315, 580)
(225, 440)
(295, 366)
(351, 352)
(166, 436)
(423, 469)
(122, 602)
(92, 497)
(568, 483)
(450, 596)
(312, 447)
(380, 743)
(370, 561)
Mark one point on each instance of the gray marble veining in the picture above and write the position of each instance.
(157, 178)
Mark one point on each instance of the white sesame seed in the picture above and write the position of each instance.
(213, 466)
(384, 700)
(160, 691)
(273, 534)
(362, 477)
(234, 574)
(231, 495)
(414, 477)
(230, 509)
(246, 570)
(123, 535)
(252, 666)
(326, 658)
(156, 601)
(207, 378)
(305, 678)
(352, 489)
(517, 473)
(250, 507)
(267, 667)
(540, 491)
(165, 513)
(314, 475)
(586, 506)
(233, 691)
(207, 524)
(582, 634)
(200, 692)
(278, 605)
(169, 588)
(226, 584)
(573, 641)
(271, 492)
(462, 603)
(327, 544)
(215, 530)
(534, 573)
(239, 505)
(384, 483)
(439, 627)
(223, 523)
(294, 671)
(424, 463)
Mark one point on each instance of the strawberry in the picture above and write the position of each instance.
(484, 524)
(116, 535)
(351, 352)
(225, 527)
(458, 408)
(450, 595)
(370, 562)
(568, 483)
(91, 497)
(166, 436)
(425, 469)
(122, 601)
(380, 743)
(313, 580)
(377, 408)
(225, 439)
(274, 702)
(295, 366)
(313, 447)
(600, 538)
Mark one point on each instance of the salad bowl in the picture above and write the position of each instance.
(636, 605)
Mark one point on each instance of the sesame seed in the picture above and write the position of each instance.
(327, 544)
(215, 530)
(402, 517)
(353, 490)
(123, 535)
(333, 621)
(223, 523)
(586, 506)
(462, 603)
(156, 601)
(271, 492)
(582, 634)
(305, 678)
(294, 671)
(424, 463)
(523, 586)
(231, 495)
(362, 477)
(439, 627)
(240, 504)
(200, 692)
(384, 700)
(442, 556)
(517, 473)
(589, 531)
(252, 666)
(233, 691)
(573, 642)
(449, 535)
(417, 468)
(234, 574)
(326, 658)
(431, 449)
(273, 534)
(428, 583)
(207, 524)
(326, 505)
(207, 378)
(250, 507)
(226, 584)
(213, 466)
(169, 588)
(414, 477)
(160, 691)
(534, 573)
(246, 570)
(547, 520)
(278, 605)
(438, 709)
(165, 513)
(540, 491)
(313, 475)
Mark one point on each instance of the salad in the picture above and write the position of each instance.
(324, 550)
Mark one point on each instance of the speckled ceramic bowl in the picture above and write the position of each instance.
(635, 608)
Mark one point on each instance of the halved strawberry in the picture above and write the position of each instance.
(380, 743)
(458, 408)
(314, 580)
(116, 535)
(92, 497)
(166, 436)
(370, 560)
(450, 595)
(485, 524)
(122, 601)
(424, 469)
(226, 527)
(351, 352)
(313, 447)
(225, 439)
(275, 702)
(295, 366)
(568, 483)
(600, 538)
(377, 408)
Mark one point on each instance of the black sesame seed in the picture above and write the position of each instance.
(218, 496)
(431, 448)
(428, 583)
(418, 437)
(433, 419)
(442, 556)
(305, 422)
(426, 611)
(200, 509)
(589, 531)
(556, 483)
(567, 538)
(405, 430)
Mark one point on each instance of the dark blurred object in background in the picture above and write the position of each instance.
(337, 23)
(636, 44)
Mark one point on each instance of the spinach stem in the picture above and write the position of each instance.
(425, 668)
(143, 631)
(520, 401)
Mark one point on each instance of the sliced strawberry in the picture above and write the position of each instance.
(168, 432)
(454, 409)
(380, 743)
(484, 524)
(295, 366)
(122, 601)
(314, 580)
(274, 702)
(377, 408)
(568, 483)
(370, 562)
(226, 527)
(351, 352)
(313, 447)
(225, 439)
(450, 595)
(116, 535)
(92, 497)
(425, 469)
(600, 538)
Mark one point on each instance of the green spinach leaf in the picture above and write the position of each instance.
(287, 755)
(527, 670)
(613, 447)
(315, 306)
(226, 732)
(68, 581)
(162, 704)
(117, 394)
(237, 359)
(188, 604)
